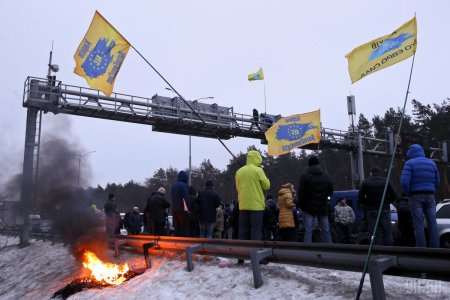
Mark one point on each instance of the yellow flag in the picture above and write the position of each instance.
(256, 76)
(101, 54)
(293, 132)
(383, 52)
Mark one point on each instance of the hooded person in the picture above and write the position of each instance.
(250, 183)
(181, 205)
(419, 180)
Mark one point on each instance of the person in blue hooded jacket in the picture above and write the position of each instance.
(419, 180)
(181, 205)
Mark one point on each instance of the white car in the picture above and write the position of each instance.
(443, 222)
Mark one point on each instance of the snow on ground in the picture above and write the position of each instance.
(37, 271)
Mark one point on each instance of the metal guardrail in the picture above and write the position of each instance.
(399, 261)
(424, 263)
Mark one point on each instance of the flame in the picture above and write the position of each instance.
(105, 272)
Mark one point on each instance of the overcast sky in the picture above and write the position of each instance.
(207, 48)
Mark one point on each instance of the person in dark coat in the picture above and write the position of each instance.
(158, 206)
(148, 222)
(112, 216)
(331, 218)
(313, 191)
(208, 201)
(370, 195)
(133, 221)
(234, 220)
(194, 226)
(181, 205)
(405, 224)
(270, 219)
(227, 223)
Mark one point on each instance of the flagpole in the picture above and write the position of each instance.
(366, 264)
(265, 99)
(187, 103)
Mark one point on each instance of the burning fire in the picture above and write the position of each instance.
(105, 272)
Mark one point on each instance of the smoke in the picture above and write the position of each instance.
(57, 195)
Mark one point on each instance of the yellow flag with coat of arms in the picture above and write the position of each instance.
(101, 54)
(293, 132)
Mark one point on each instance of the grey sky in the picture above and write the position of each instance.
(207, 48)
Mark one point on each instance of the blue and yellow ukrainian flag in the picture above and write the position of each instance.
(293, 132)
(383, 52)
(256, 76)
(101, 54)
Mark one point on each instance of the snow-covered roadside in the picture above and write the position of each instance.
(37, 271)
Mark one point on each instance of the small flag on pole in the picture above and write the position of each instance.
(256, 76)
(383, 52)
(101, 54)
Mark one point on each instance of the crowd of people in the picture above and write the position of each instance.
(256, 217)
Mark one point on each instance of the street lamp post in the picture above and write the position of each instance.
(81, 155)
(190, 141)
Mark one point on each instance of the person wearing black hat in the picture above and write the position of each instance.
(370, 196)
(313, 191)
(112, 216)
(208, 201)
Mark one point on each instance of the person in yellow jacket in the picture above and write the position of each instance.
(250, 183)
(286, 222)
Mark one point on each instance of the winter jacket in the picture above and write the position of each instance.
(220, 222)
(133, 222)
(208, 200)
(250, 183)
(286, 203)
(371, 192)
(420, 174)
(313, 191)
(180, 191)
(271, 212)
(344, 214)
(158, 205)
(110, 209)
